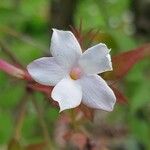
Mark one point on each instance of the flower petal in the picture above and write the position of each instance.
(96, 59)
(46, 71)
(65, 48)
(96, 93)
(67, 93)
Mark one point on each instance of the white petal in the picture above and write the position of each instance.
(96, 93)
(96, 59)
(46, 71)
(65, 48)
(67, 93)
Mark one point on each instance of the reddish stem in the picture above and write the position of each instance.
(11, 70)
(14, 71)
(42, 88)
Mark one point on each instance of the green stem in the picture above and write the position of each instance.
(20, 117)
(43, 124)
(73, 120)
(8, 52)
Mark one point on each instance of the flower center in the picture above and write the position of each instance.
(76, 73)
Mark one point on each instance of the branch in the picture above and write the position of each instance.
(23, 38)
(11, 70)
(20, 117)
(8, 52)
(24, 75)
(42, 123)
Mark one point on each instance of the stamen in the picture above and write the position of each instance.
(75, 73)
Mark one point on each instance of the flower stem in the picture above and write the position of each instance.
(12, 70)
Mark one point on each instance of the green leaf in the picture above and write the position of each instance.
(5, 128)
(10, 95)
(141, 96)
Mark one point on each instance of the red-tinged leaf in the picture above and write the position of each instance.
(78, 34)
(123, 62)
(121, 99)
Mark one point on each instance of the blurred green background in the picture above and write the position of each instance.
(25, 28)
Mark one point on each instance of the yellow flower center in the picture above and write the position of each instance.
(75, 73)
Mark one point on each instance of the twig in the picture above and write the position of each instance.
(20, 116)
(8, 52)
(12, 70)
(23, 38)
(43, 124)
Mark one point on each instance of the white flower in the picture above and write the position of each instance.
(74, 74)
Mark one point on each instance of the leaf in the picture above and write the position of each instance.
(123, 62)
(121, 99)
(5, 128)
(140, 129)
(10, 98)
(141, 97)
